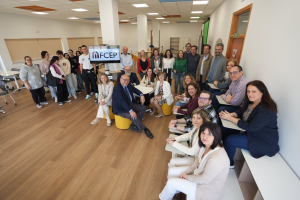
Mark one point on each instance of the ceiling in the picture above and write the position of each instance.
(61, 9)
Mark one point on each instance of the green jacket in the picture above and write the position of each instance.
(180, 65)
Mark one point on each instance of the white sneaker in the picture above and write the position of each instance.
(60, 103)
(44, 103)
(68, 101)
(75, 97)
(69, 96)
(55, 99)
(88, 96)
(39, 105)
(96, 95)
(92, 93)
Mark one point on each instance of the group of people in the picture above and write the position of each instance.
(202, 168)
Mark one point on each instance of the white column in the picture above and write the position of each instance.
(142, 32)
(156, 27)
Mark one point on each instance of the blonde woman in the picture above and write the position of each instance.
(105, 89)
(188, 78)
(143, 63)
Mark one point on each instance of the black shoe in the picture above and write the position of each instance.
(134, 128)
(148, 133)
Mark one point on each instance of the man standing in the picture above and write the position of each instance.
(124, 104)
(125, 59)
(133, 79)
(88, 72)
(204, 66)
(188, 50)
(66, 67)
(193, 61)
(218, 67)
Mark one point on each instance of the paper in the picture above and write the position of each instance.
(175, 113)
(181, 101)
(212, 86)
(221, 101)
(144, 90)
(172, 149)
(176, 131)
(231, 125)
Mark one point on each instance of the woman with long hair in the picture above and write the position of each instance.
(181, 98)
(179, 70)
(167, 64)
(156, 62)
(149, 80)
(143, 63)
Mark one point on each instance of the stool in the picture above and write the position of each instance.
(167, 109)
(122, 123)
(111, 114)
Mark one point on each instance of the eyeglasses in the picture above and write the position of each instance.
(230, 73)
(204, 99)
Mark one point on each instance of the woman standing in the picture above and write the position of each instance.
(143, 63)
(62, 90)
(180, 69)
(188, 78)
(162, 95)
(73, 71)
(105, 89)
(31, 76)
(156, 62)
(167, 65)
(149, 81)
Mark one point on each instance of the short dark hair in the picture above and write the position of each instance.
(238, 66)
(78, 52)
(71, 50)
(215, 130)
(207, 45)
(196, 86)
(65, 54)
(171, 55)
(84, 46)
(79, 47)
(188, 43)
(207, 92)
(43, 54)
(195, 47)
(59, 52)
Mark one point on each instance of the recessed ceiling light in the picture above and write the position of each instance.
(152, 13)
(79, 9)
(124, 20)
(194, 21)
(166, 22)
(199, 2)
(134, 23)
(73, 18)
(164, 15)
(244, 21)
(97, 21)
(195, 17)
(194, 12)
(40, 13)
(160, 18)
(140, 5)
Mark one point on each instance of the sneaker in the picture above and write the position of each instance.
(55, 99)
(88, 96)
(96, 121)
(78, 92)
(39, 105)
(68, 101)
(96, 95)
(92, 93)
(69, 96)
(149, 110)
(44, 103)
(75, 97)
(60, 103)
(231, 165)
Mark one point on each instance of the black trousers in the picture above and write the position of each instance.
(89, 77)
(62, 92)
(140, 112)
(147, 98)
(37, 95)
(169, 73)
(201, 84)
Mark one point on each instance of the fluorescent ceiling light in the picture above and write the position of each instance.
(166, 22)
(40, 13)
(194, 12)
(244, 21)
(124, 20)
(79, 9)
(73, 18)
(195, 17)
(134, 23)
(194, 21)
(152, 13)
(199, 2)
(140, 5)
(160, 18)
(97, 21)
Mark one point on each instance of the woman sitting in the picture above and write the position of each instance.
(259, 119)
(143, 63)
(105, 88)
(186, 80)
(149, 80)
(193, 92)
(206, 177)
(162, 95)
(199, 116)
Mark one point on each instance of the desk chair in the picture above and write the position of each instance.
(3, 82)
(18, 78)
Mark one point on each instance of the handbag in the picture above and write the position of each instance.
(51, 80)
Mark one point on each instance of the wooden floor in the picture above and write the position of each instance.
(55, 153)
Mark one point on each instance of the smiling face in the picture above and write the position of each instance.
(192, 90)
(235, 74)
(71, 53)
(127, 70)
(254, 94)
(229, 65)
(180, 54)
(161, 78)
(149, 72)
(168, 53)
(207, 138)
(125, 50)
(124, 80)
(218, 51)
(103, 79)
(155, 53)
(28, 61)
(67, 56)
(188, 80)
(194, 50)
(188, 47)
(203, 100)
(206, 50)
(197, 120)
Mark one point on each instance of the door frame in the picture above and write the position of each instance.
(233, 29)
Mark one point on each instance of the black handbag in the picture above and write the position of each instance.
(51, 80)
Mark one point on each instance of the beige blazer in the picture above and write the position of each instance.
(144, 82)
(210, 173)
(167, 92)
(194, 149)
(101, 93)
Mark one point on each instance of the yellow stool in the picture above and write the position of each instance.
(167, 109)
(111, 114)
(122, 123)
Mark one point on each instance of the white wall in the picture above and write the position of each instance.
(270, 54)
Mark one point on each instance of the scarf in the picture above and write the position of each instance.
(58, 72)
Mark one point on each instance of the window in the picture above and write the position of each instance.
(74, 43)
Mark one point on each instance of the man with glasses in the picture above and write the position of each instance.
(236, 93)
(133, 79)
(125, 105)
(204, 102)
(193, 61)
(188, 50)
(125, 59)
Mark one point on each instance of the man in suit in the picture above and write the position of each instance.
(133, 79)
(126, 106)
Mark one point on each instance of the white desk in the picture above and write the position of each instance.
(212, 86)
(221, 101)
(11, 74)
(144, 90)
(231, 125)
(175, 113)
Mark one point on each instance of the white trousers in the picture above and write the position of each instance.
(181, 161)
(74, 80)
(175, 172)
(104, 110)
(176, 185)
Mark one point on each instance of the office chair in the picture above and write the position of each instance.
(3, 82)
(18, 78)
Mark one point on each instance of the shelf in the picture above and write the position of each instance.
(249, 190)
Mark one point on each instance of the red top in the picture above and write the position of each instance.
(139, 65)
(191, 106)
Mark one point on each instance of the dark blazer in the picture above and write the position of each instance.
(120, 102)
(262, 131)
(133, 78)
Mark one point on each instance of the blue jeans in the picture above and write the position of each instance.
(229, 109)
(235, 141)
(80, 82)
(180, 104)
(214, 90)
(52, 89)
(178, 80)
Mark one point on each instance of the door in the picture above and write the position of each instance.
(182, 42)
(238, 30)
